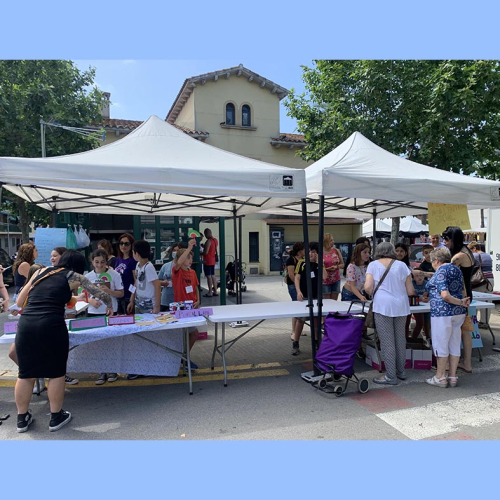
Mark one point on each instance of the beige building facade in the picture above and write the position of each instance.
(238, 110)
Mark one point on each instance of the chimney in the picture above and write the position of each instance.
(105, 109)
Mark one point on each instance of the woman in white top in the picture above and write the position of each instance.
(391, 307)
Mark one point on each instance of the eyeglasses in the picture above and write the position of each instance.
(446, 238)
(125, 243)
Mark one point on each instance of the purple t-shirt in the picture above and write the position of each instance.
(125, 267)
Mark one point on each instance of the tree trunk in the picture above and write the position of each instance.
(395, 230)
(24, 222)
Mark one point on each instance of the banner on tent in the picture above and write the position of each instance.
(441, 216)
(46, 239)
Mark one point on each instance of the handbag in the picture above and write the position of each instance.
(478, 279)
(370, 317)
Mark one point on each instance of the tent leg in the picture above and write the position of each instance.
(236, 271)
(310, 303)
(374, 220)
(240, 254)
(222, 260)
(321, 234)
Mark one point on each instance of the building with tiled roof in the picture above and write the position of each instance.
(237, 110)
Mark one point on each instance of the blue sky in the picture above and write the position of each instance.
(140, 88)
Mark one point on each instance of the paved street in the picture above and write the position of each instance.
(266, 398)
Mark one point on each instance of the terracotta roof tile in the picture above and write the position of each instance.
(114, 123)
(292, 138)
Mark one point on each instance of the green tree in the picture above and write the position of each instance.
(443, 114)
(31, 91)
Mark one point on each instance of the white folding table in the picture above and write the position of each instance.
(487, 297)
(261, 312)
(121, 348)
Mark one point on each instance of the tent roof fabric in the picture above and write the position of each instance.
(359, 177)
(156, 169)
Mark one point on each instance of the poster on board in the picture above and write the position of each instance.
(442, 215)
(46, 239)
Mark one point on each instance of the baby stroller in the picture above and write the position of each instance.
(231, 277)
(336, 354)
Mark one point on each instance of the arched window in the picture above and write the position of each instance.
(230, 114)
(246, 116)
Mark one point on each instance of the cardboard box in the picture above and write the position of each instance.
(422, 359)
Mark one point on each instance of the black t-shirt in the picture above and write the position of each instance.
(291, 261)
(301, 269)
(426, 267)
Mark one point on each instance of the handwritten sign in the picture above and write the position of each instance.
(441, 216)
(193, 313)
(477, 341)
(123, 319)
(76, 325)
(46, 239)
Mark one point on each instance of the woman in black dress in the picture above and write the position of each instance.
(461, 256)
(42, 341)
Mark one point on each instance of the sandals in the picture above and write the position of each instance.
(438, 382)
(461, 367)
(452, 381)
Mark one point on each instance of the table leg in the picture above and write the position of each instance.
(223, 353)
(491, 331)
(215, 346)
(188, 357)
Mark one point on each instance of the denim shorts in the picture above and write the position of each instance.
(333, 288)
(293, 292)
(347, 295)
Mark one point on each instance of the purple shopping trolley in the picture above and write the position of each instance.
(336, 354)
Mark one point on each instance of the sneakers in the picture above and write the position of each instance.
(295, 349)
(70, 380)
(132, 376)
(23, 421)
(101, 379)
(59, 420)
(385, 381)
(112, 377)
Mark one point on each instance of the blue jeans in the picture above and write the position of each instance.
(293, 292)
(333, 288)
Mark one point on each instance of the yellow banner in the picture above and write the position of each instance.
(441, 216)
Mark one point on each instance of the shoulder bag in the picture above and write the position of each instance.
(370, 318)
(478, 279)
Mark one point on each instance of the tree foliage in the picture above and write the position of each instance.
(31, 91)
(443, 114)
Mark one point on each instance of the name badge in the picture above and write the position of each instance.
(132, 289)
(189, 289)
(312, 274)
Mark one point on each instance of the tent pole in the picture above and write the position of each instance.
(374, 220)
(321, 234)
(310, 303)
(240, 254)
(235, 242)
(222, 260)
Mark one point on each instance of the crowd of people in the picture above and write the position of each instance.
(128, 283)
(442, 278)
(125, 283)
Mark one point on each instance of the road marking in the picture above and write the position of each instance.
(171, 380)
(445, 417)
(378, 402)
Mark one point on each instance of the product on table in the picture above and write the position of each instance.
(188, 304)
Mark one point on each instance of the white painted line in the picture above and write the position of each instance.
(444, 417)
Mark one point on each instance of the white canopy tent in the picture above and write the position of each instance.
(156, 169)
(359, 178)
(382, 227)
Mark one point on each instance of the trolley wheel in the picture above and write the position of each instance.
(338, 390)
(322, 383)
(363, 385)
(336, 377)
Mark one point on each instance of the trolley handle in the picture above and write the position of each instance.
(363, 303)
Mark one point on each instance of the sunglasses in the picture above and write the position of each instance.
(446, 238)
(125, 243)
